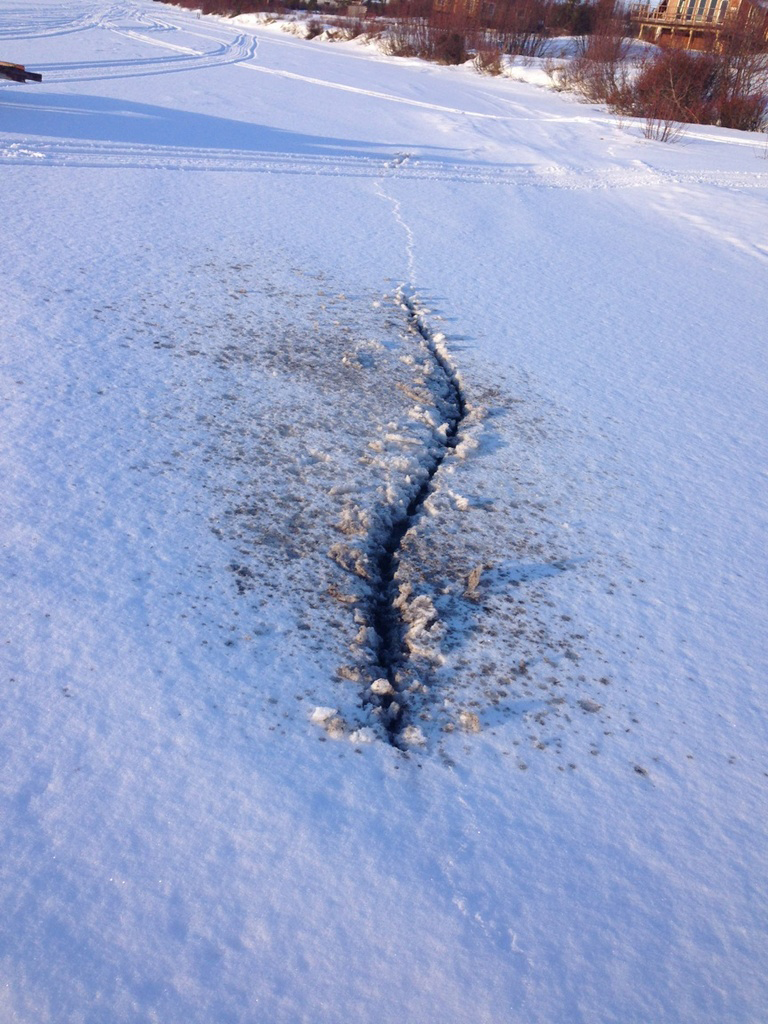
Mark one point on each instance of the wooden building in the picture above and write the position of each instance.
(698, 24)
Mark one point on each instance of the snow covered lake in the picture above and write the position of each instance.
(383, 598)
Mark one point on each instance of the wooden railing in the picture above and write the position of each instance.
(682, 12)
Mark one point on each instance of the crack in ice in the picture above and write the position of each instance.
(386, 615)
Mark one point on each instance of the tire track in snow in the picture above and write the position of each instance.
(51, 22)
(134, 23)
(29, 150)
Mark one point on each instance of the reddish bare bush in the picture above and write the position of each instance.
(741, 51)
(407, 37)
(488, 58)
(446, 37)
(600, 72)
(313, 29)
(677, 85)
(226, 8)
(522, 26)
(727, 86)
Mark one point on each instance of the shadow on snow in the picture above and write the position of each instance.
(102, 119)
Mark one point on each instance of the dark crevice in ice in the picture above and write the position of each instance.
(385, 615)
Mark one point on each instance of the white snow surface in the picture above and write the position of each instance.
(214, 406)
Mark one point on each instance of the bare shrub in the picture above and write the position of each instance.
(488, 60)
(676, 85)
(313, 29)
(727, 86)
(742, 87)
(599, 81)
(522, 27)
(439, 39)
(572, 18)
(449, 47)
(600, 72)
(557, 74)
(746, 113)
(227, 8)
(608, 42)
(663, 128)
(406, 37)
(353, 28)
